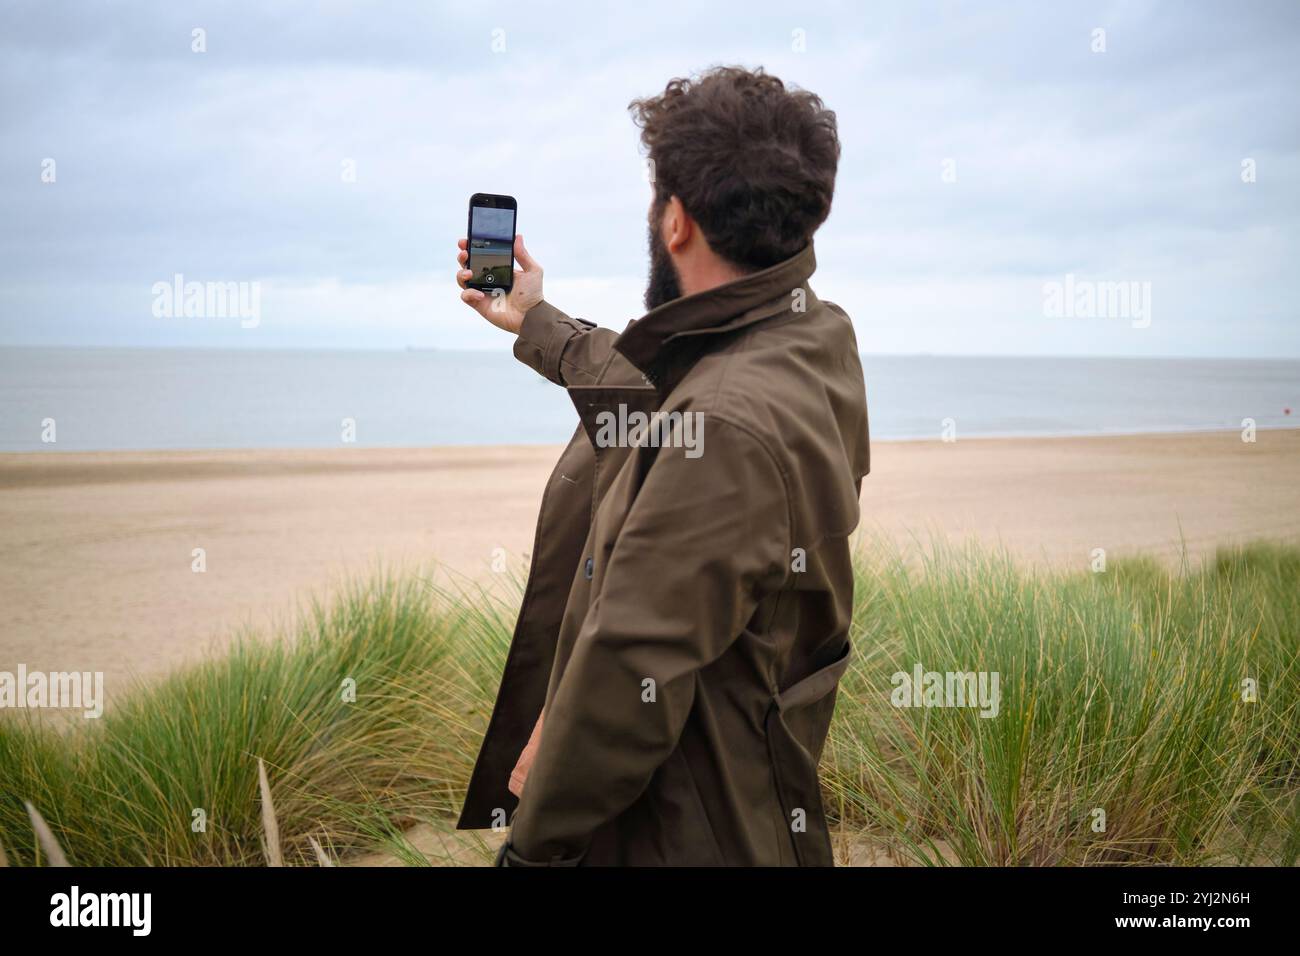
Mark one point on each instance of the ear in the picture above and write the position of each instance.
(677, 225)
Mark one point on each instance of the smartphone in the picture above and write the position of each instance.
(491, 242)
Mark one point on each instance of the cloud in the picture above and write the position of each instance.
(986, 150)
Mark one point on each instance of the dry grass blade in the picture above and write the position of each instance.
(46, 837)
(321, 858)
(270, 826)
(4, 860)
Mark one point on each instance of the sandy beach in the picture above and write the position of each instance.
(96, 548)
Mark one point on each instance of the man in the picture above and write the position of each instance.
(672, 674)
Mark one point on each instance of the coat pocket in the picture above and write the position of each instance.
(797, 721)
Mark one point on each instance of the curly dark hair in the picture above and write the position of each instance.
(751, 161)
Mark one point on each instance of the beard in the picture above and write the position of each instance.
(663, 285)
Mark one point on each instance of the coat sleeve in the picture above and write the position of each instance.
(569, 351)
(705, 538)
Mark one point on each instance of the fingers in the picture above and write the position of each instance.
(462, 257)
(528, 263)
(471, 297)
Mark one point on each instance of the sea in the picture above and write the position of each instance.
(109, 399)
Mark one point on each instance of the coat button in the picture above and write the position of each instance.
(589, 568)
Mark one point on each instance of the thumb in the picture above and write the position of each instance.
(526, 262)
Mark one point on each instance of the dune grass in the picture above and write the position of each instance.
(1123, 734)
(1121, 704)
(367, 720)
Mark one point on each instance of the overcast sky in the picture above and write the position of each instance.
(988, 149)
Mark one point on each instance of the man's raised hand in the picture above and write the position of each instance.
(503, 309)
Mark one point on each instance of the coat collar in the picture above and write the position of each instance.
(724, 308)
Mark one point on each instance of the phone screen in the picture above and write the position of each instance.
(491, 246)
